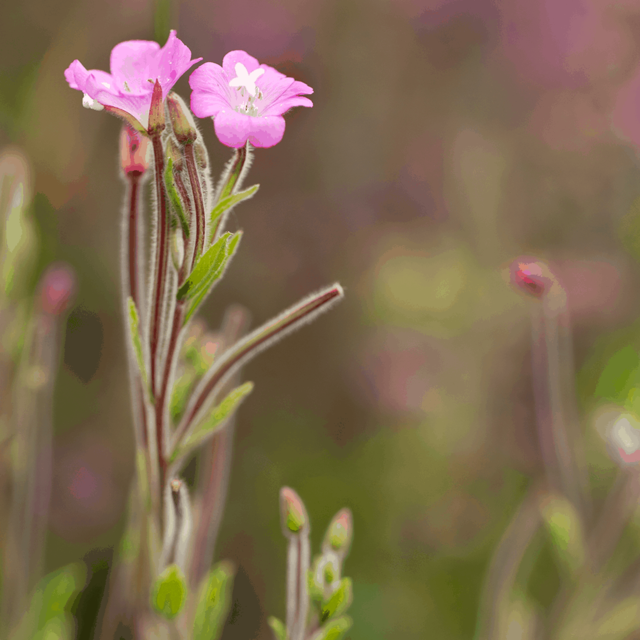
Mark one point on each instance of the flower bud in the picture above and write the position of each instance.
(528, 276)
(184, 128)
(133, 151)
(173, 153)
(339, 533)
(156, 111)
(57, 288)
(202, 157)
(294, 515)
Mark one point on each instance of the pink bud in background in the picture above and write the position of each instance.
(133, 151)
(293, 512)
(528, 276)
(57, 288)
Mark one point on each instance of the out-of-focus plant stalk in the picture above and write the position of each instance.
(501, 577)
(554, 396)
(215, 463)
(32, 442)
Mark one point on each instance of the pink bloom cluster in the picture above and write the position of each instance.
(245, 99)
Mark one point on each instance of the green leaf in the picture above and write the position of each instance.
(227, 203)
(339, 602)
(207, 271)
(565, 530)
(134, 331)
(334, 629)
(207, 266)
(174, 197)
(214, 421)
(214, 600)
(58, 589)
(278, 628)
(169, 592)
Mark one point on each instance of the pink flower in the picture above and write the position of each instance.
(245, 99)
(135, 66)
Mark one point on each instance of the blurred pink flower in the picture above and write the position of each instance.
(245, 99)
(564, 44)
(135, 66)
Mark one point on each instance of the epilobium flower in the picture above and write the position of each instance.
(246, 99)
(135, 66)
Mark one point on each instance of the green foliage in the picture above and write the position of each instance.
(278, 628)
(48, 616)
(227, 203)
(339, 602)
(176, 203)
(136, 341)
(334, 629)
(215, 420)
(169, 592)
(564, 528)
(620, 374)
(207, 271)
(214, 601)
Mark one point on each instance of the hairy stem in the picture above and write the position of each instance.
(244, 350)
(190, 159)
(158, 302)
(215, 462)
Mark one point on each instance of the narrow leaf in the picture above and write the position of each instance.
(339, 602)
(174, 197)
(134, 330)
(334, 629)
(169, 592)
(215, 420)
(206, 266)
(215, 273)
(214, 600)
(227, 203)
(278, 628)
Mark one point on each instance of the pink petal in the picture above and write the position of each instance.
(174, 60)
(233, 57)
(133, 62)
(234, 129)
(281, 94)
(210, 90)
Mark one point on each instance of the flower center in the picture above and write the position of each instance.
(245, 86)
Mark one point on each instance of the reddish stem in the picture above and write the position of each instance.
(254, 343)
(162, 255)
(190, 158)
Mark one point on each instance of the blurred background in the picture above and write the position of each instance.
(447, 138)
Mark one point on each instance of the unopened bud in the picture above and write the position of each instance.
(173, 153)
(133, 151)
(294, 515)
(339, 533)
(202, 158)
(156, 111)
(182, 122)
(58, 286)
(177, 248)
(529, 276)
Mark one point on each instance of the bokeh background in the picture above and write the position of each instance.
(447, 138)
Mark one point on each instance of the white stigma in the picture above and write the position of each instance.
(90, 103)
(246, 79)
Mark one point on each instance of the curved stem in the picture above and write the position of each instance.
(291, 319)
(190, 159)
